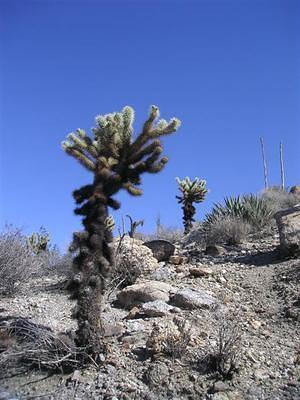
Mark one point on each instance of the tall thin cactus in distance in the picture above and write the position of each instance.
(117, 161)
(192, 191)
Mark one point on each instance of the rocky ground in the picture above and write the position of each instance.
(163, 333)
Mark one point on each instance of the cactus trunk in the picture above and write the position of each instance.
(188, 213)
(93, 263)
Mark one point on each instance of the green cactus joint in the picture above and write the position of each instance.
(192, 191)
(39, 241)
(117, 161)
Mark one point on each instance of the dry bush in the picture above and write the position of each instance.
(55, 263)
(229, 230)
(278, 199)
(26, 344)
(224, 348)
(170, 234)
(17, 261)
(170, 339)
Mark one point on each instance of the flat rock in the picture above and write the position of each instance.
(193, 299)
(162, 249)
(144, 292)
(157, 308)
(200, 271)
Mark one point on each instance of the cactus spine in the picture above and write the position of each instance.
(117, 162)
(192, 191)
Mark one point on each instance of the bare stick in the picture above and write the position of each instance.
(264, 162)
(282, 169)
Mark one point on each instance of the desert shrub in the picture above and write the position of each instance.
(224, 348)
(53, 262)
(172, 234)
(229, 229)
(278, 199)
(17, 260)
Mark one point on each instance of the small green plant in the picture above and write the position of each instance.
(39, 241)
(117, 161)
(133, 226)
(192, 191)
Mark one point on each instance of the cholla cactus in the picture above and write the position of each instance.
(117, 162)
(192, 192)
(39, 241)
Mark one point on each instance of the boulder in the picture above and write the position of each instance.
(162, 250)
(144, 292)
(295, 190)
(288, 223)
(193, 298)
(132, 260)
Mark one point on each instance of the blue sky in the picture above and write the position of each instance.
(229, 69)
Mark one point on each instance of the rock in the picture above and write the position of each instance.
(295, 190)
(261, 374)
(220, 386)
(178, 260)
(214, 250)
(193, 299)
(157, 308)
(288, 223)
(162, 250)
(200, 271)
(144, 292)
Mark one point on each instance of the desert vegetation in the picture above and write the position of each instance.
(157, 315)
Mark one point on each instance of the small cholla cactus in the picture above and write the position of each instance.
(39, 241)
(134, 225)
(193, 191)
(117, 161)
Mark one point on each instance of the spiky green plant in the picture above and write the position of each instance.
(192, 191)
(39, 241)
(117, 161)
(249, 208)
(134, 225)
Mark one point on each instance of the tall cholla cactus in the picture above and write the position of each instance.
(192, 192)
(117, 161)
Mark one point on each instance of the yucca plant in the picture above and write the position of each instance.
(117, 162)
(192, 191)
(249, 208)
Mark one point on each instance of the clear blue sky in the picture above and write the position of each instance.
(228, 69)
